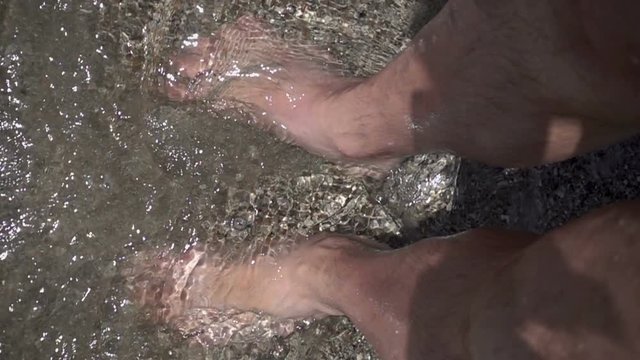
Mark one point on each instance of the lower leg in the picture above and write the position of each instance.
(481, 294)
(476, 80)
(423, 292)
(571, 294)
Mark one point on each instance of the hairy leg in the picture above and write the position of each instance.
(570, 294)
(482, 294)
(415, 302)
(510, 83)
(517, 83)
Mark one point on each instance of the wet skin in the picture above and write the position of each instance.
(528, 93)
(511, 83)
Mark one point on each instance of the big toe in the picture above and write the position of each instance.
(194, 60)
(188, 65)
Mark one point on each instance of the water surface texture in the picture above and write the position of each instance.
(96, 165)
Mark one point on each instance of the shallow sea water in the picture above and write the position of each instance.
(95, 166)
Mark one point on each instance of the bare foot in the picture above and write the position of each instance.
(298, 92)
(293, 286)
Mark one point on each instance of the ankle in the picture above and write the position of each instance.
(362, 127)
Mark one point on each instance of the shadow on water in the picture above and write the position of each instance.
(541, 198)
(535, 200)
(425, 10)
